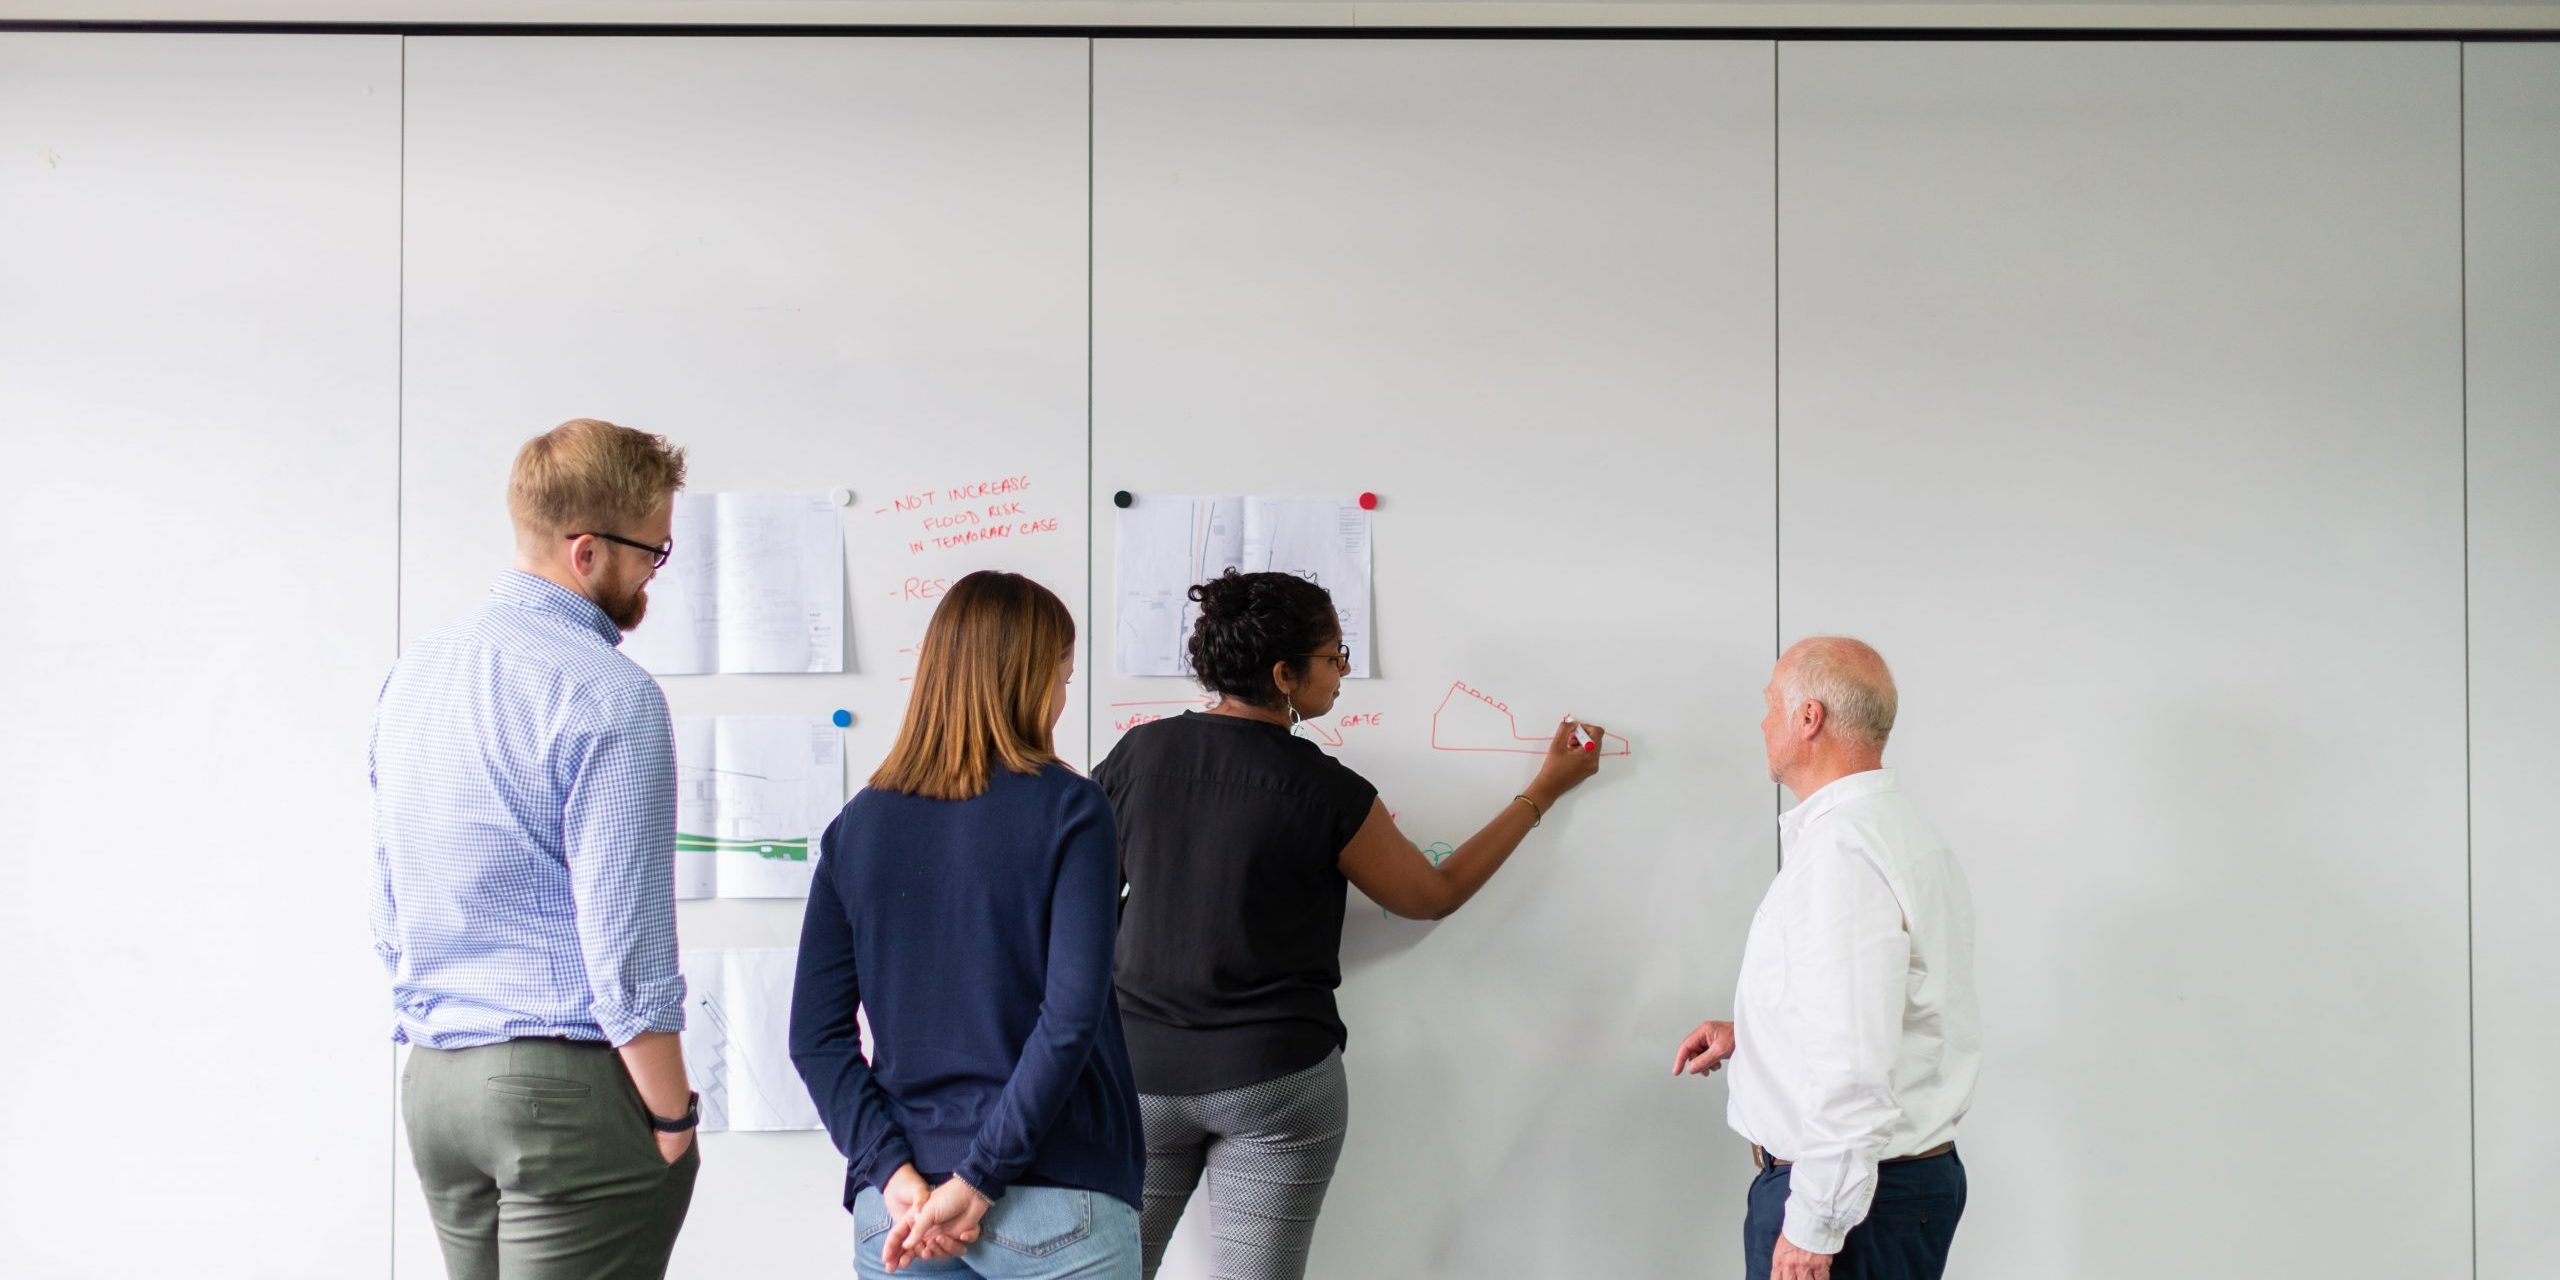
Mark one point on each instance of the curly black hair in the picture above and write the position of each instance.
(1248, 621)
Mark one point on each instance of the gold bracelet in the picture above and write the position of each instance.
(1533, 808)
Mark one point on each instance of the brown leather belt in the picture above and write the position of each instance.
(1767, 1161)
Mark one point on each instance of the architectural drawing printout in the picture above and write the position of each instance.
(737, 1040)
(753, 794)
(1165, 545)
(756, 584)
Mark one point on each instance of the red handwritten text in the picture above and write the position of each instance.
(989, 488)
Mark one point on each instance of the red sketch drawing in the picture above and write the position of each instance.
(1470, 719)
(1129, 715)
(1328, 730)
(1204, 701)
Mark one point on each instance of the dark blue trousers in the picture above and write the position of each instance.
(1905, 1237)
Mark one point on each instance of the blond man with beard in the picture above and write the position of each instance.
(524, 904)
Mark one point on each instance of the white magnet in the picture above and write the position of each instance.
(840, 497)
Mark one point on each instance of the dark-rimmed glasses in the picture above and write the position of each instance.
(657, 554)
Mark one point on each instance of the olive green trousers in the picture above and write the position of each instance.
(539, 1163)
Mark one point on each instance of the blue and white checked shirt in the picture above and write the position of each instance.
(524, 820)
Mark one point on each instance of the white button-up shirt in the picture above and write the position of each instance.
(1856, 1037)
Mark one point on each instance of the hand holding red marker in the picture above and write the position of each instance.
(1573, 758)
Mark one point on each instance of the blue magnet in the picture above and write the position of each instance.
(843, 719)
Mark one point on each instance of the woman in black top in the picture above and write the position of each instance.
(1237, 838)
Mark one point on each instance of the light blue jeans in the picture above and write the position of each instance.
(1033, 1233)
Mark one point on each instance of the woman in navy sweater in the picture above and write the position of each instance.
(967, 900)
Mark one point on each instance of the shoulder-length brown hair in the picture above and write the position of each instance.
(985, 680)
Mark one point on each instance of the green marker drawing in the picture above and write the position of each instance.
(1438, 851)
(769, 850)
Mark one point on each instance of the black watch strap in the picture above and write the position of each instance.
(692, 1116)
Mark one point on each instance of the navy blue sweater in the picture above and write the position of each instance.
(977, 935)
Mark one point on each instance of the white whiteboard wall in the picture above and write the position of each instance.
(2121, 408)
(2121, 405)
(816, 264)
(2512, 136)
(199, 303)
(1521, 292)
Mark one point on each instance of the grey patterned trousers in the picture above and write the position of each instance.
(1268, 1150)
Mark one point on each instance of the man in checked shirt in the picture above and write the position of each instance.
(524, 902)
(1856, 1038)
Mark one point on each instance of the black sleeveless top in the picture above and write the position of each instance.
(1231, 836)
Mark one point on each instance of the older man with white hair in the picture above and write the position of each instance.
(1855, 1038)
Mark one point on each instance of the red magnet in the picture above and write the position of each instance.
(1368, 502)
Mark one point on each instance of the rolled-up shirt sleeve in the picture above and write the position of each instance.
(1847, 959)
(618, 833)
